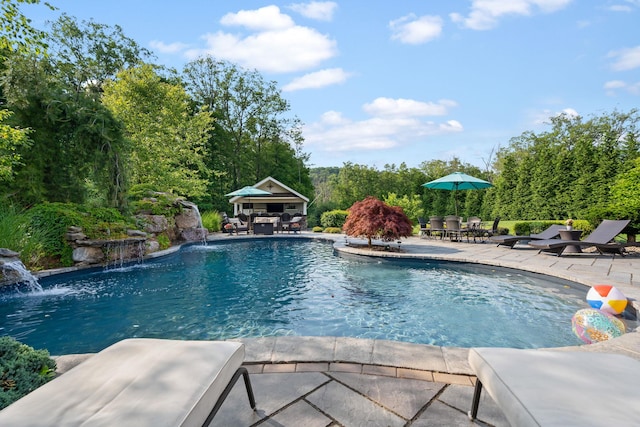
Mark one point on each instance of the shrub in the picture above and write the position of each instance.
(211, 220)
(163, 241)
(17, 234)
(318, 229)
(335, 218)
(333, 230)
(22, 370)
(54, 219)
(531, 227)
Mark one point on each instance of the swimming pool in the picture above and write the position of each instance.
(270, 287)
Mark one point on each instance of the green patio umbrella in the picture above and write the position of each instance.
(458, 181)
(248, 191)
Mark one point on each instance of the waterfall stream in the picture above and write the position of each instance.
(22, 275)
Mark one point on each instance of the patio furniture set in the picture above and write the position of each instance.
(262, 224)
(452, 227)
(556, 239)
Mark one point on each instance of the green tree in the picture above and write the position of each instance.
(74, 137)
(16, 32)
(411, 206)
(625, 199)
(12, 140)
(88, 54)
(253, 137)
(567, 171)
(168, 137)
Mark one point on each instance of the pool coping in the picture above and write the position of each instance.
(420, 361)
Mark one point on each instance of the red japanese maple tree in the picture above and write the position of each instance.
(372, 218)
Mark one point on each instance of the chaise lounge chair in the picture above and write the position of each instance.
(558, 388)
(138, 382)
(600, 238)
(552, 232)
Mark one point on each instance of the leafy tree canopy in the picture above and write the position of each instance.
(372, 218)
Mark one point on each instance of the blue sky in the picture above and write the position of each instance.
(386, 82)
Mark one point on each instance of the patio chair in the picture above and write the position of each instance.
(138, 382)
(424, 230)
(600, 238)
(472, 228)
(436, 226)
(558, 388)
(291, 227)
(485, 233)
(453, 230)
(239, 225)
(285, 218)
(552, 232)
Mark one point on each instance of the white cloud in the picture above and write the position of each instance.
(167, 48)
(265, 18)
(274, 42)
(387, 128)
(411, 29)
(318, 10)
(318, 79)
(485, 14)
(625, 59)
(388, 107)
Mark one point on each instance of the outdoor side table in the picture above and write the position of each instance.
(571, 235)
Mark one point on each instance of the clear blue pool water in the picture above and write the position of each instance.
(274, 287)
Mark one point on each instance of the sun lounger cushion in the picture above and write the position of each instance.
(135, 382)
(560, 388)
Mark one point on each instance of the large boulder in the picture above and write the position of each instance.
(154, 224)
(88, 255)
(189, 218)
(194, 234)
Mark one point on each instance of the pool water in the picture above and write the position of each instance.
(273, 287)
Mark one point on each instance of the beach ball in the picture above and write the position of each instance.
(592, 325)
(607, 298)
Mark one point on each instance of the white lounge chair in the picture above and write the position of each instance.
(558, 388)
(137, 382)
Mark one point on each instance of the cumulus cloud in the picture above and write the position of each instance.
(388, 107)
(263, 19)
(625, 59)
(412, 29)
(318, 79)
(393, 123)
(274, 43)
(318, 10)
(167, 48)
(485, 14)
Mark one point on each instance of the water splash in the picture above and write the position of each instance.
(17, 271)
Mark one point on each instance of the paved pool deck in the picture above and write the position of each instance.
(337, 381)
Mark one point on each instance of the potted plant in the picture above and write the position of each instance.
(569, 224)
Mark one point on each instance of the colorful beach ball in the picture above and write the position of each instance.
(607, 298)
(591, 325)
